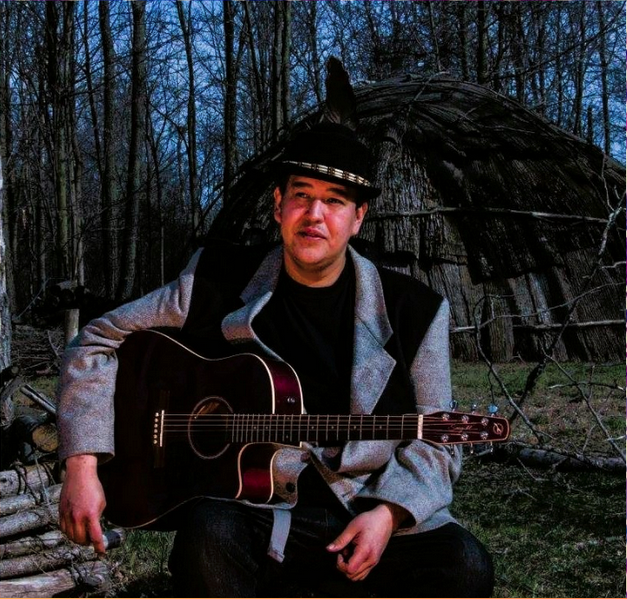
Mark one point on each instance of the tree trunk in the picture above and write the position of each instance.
(286, 36)
(605, 97)
(153, 144)
(59, 57)
(6, 194)
(260, 98)
(109, 195)
(482, 42)
(230, 98)
(579, 69)
(462, 33)
(128, 269)
(5, 310)
(192, 158)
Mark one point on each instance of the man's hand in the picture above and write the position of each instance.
(82, 502)
(363, 541)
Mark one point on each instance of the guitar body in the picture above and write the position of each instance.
(161, 464)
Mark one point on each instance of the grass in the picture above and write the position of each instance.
(552, 534)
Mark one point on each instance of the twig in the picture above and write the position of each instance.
(595, 414)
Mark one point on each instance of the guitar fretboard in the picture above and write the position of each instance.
(442, 427)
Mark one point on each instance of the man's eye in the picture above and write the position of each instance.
(334, 201)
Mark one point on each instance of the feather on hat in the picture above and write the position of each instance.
(331, 148)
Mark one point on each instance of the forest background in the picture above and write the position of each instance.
(123, 125)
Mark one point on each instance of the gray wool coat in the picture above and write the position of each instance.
(418, 476)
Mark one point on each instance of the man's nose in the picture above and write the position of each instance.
(316, 209)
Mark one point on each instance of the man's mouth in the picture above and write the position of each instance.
(311, 234)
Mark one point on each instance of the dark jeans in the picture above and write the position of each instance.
(221, 551)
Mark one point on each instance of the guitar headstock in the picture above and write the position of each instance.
(450, 428)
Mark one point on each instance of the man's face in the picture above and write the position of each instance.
(317, 220)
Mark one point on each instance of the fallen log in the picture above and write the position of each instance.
(92, 576)
(52, 559)
(537, 457)
(49, 540)
(26, 545)
(37, 431)
(25, 501)
(22, 479)
(29, 520)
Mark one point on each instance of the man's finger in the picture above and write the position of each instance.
(96, 536)
(343, 540)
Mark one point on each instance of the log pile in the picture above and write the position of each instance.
(36, 559)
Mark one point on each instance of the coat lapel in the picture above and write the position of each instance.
(237, 326)
(373, 365)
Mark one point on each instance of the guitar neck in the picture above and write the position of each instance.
(442, 427)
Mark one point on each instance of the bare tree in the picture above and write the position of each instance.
(133, 186)
(603, 64)
(5, 309)
(7, 194)
(192, 158)
(58, 45)
(230, 96)
(109, 188)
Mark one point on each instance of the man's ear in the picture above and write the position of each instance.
(360, 214)
(277, 204)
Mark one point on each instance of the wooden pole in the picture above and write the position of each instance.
(92, 575)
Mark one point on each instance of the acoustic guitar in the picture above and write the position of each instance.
(187, 426)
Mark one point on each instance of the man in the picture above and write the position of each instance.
(361, 339)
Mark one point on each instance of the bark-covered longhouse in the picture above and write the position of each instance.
(497, 209)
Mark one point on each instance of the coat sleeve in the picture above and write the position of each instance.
(88, 371)
(419, 476)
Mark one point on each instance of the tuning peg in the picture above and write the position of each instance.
(453, 405)
(493, 409)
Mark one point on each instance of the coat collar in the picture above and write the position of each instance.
(372, 364)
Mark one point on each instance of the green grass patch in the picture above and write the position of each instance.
(551, 534)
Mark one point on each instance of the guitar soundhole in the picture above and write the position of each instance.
(208, 426)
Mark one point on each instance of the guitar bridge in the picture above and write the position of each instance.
(158, 430)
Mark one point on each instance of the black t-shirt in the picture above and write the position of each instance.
(312, 328)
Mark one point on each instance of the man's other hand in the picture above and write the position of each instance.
(82, 502)
(361, 544)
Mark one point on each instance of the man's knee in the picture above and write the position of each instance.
(211, 527)
(214, 552)
(474, 566)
